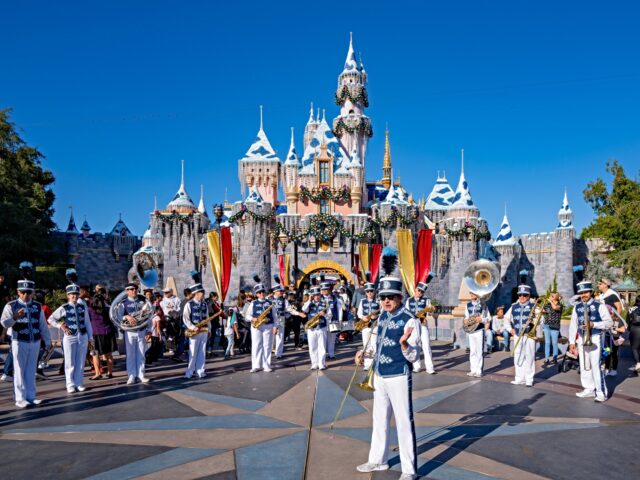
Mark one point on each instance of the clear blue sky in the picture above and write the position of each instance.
(116, 93)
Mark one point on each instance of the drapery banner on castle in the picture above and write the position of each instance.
(219, 246)
(363, 251)
(405, 259)
(374, 261)
(283, 265)
(423, 254)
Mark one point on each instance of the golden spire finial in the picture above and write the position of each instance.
(386, 163)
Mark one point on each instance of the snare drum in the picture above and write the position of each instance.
(334, 327)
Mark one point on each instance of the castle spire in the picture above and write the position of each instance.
(181, 200)
(462, 197)
(565, 215)
(71, 227)
(261, 118)
(311, 114)
(386, 163)
(292, 156)
(505, 235)
(350, 63)
(201, 208)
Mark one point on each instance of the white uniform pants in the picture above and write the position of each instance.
(197, 354)
(425, 345)
(331, 343)
(317, 338)
(75, 354)
(524, 359)
(261, 342)
(25, 364)
(135, 346)
(393, 395)
(592, 379)
(476, 344)
(280, 340)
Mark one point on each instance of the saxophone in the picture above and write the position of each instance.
(200, 326)
(315, 321)
(262, 319)
(422, 314)
(364, 323)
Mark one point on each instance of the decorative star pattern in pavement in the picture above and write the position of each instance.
(278, 426)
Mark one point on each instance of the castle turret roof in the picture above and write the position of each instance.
(462, 197)
(201, 207)
(85, 226)
(181, 200)
(261, 149)
(254, 196)
(396, 196)
(323, 135)
(292, 156)
(441, 195)
(121, 229)
(351, 64)
(505, 235)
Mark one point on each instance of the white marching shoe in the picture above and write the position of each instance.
(586, 393)
(372, 467)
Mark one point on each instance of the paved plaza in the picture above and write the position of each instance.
(238, 425)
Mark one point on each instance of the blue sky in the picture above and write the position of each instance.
(115, 94)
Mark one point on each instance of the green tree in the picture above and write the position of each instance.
(26, 202)
(617, 217)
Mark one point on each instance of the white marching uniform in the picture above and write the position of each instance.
(317, 337)
(393, 385)
(282, 307)
(476, 338)
(134, 340)
(524, 357)
(26, 333)
(332, 336)
(591, 379)
(74, 345)
(261, 337)
(193, 313)
(415, 305)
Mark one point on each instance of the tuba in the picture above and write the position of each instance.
(144, 272)
(481, 278)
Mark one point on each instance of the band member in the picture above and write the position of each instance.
(335, 306)
(317, 336)
(73, 319)
(25, 318)
(415, 305)
(396, 351)
(282, 309)
(367, 307)
(195, 311)
(262, 336)
(524, 357)
(589, 320)
(476, 311)
(135, 341)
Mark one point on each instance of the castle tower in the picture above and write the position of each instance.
(509, 251)
(357, 180)
(290, 175)
(260, 167)
(71, 226)
(309, 129)
(181, 202)
(352, 126)
(564, 251)
(386, 162)
(85, 229)
(439, 200)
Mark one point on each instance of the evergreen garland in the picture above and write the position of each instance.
(362, 127)
(468, 229)
(173, 216)
(359, 97)
(340, 195)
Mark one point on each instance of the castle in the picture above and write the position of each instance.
(328, 209)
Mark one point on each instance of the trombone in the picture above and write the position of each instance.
(586, 342)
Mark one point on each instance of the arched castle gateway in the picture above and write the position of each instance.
(328, 208)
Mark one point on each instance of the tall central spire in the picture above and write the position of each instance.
(386, 163)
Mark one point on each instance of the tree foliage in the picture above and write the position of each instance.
(617, 217)
(26, 201)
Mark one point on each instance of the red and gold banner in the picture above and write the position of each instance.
(405, 259)
(374, 262)
(423, 254)
(219, 247)
(283, 266)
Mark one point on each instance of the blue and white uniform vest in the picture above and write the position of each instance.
(520, 314)
(389, 360)
(260, 306)
(594, 316)
(27, 328)
(280, 307)
(414, 305)
(474, 309)
(332, 301)
(314, 309)
(369, 306)
(199, 311)
(131, 307)
(74, 318)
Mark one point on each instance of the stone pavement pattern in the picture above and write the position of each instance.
(235, 424)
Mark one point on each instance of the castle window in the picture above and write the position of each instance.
(324, 173)
(324, 206)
